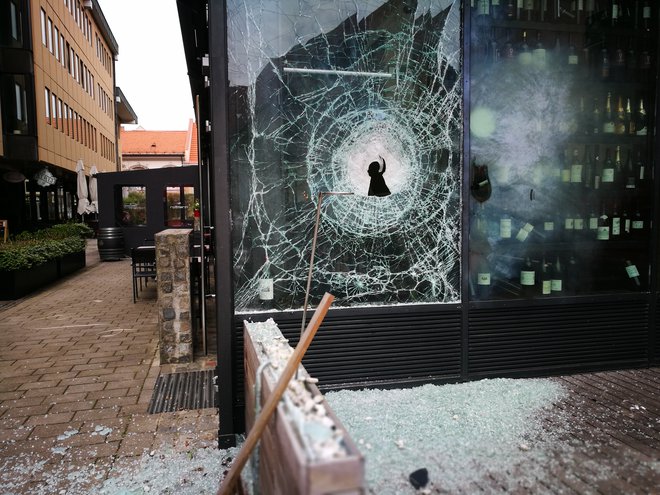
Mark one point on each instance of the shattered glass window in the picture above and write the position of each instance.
(356, 105)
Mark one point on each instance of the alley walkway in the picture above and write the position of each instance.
(78, 364)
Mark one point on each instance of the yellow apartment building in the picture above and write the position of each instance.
(59, 105)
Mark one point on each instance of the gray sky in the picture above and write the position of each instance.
(151, 69)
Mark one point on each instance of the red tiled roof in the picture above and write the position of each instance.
(141, 142)
(192, 149)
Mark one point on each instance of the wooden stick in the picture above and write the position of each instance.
(228, 484)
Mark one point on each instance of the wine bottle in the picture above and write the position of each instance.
(508, 52)
(527, 277)
(619, 176)
(618, 63)
(598, 169)
(481, 188)
(572, 58)
(637, 223)
(640, 169)
(557, 281)
(505, 225)
(630, 121)
(549, 229)
(641, 122)
(593, 221)
(546, 278)
(577, 169)
(266, 286)
(615, 229)
(603, 231)
(646, 16)
(539, 53)
(483, 278)
(608, 118)
(569, 226)
(510, 10)
(529, 9)
(524, 54)
(633, 274)
(607, 178)
(597, 125)
(626, 224)
(496, 9)
(524, 232)
(604, 64)
(630, 172)
(620, 122)
(614, 12)
(483, 9)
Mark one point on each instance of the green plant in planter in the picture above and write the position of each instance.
(30, 249)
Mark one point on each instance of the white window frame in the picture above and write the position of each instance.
(44, 38)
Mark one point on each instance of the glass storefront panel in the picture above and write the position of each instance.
(356, 105)
(561, 104)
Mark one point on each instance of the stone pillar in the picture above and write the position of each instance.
(174, 316)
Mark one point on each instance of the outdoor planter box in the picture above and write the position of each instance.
(284, 463)
(70, 263)
(17, 283)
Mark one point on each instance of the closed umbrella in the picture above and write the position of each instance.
(83, 202)
(93, 190)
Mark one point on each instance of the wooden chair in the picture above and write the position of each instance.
(143, 262)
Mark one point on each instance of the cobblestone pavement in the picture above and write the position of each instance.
(78, 364)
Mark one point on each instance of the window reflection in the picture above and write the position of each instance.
(133, 206)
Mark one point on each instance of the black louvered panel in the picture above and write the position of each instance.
(556, 337)
(371, 347)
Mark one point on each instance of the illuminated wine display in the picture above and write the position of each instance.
(358, 97)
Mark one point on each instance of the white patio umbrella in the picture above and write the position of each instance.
(93, 190)
(82, 191)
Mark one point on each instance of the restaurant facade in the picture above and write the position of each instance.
(475, 181)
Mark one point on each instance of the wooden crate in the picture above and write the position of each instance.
(284, 466)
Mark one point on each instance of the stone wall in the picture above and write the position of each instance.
(174, 316)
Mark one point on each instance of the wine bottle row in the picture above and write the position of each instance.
(620, 114)
(619, 59)
(593, 171)
(629, 14)
(551, 275)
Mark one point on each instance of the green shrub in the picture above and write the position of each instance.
(30, 249)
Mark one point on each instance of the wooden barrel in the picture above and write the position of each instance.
(110, 242)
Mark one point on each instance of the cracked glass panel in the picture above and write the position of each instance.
(352, 110)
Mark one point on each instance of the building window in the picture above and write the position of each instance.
(47, 101)
(53, 109)
(64, 52)
(50, 35)
(56, 41)
(71, 122)
(14, 113)
(133, 206)
(65, 116)
(179, 204)
(71, 60)
(76, 134)
(44, 38)
(16, 22)
(60, 117)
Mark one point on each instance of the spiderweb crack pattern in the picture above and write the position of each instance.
(376, 86)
